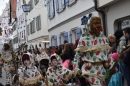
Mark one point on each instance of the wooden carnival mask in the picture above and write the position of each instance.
(95, 25)
(6, 46)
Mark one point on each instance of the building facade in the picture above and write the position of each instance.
(15, 34)
(117, 14)
(21, 23)
(37, 25)
(64, 19)
(5, 24)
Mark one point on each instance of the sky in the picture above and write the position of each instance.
(2, 5)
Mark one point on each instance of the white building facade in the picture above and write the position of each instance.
(37, 26)
(15, 35)
(20, 30)
(5, 24)
(64, 19)
(117, 14)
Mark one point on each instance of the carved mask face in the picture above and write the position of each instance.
(96, 27)
(6, 46)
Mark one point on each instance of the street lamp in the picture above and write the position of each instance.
(26, 8)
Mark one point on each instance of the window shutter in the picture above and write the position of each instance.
(39, 22)
(67, 2)
(52, 8)
(48, 8)
(78, 32)
(70, 36)
(55, 40)
(63, 4)
(60, 39)
(33, 26)
(57, 6)
(66, 36)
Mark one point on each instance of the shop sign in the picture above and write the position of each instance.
(125, 23)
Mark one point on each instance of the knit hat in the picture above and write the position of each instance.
(53, 57)
(25, 57)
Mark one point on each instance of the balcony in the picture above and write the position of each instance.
(102, 3)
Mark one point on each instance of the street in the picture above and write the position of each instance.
(2, 79)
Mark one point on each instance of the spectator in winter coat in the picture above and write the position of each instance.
(125, 70)
(112, 43)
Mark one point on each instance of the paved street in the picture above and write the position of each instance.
(2, 80)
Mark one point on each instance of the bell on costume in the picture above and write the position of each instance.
(89, 65)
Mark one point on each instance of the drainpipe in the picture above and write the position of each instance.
(103, 16)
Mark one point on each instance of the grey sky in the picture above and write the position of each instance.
(2, 5)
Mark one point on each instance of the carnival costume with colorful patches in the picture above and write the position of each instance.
(56, 74)
(93, 50)
(8, 62)
(29, 75)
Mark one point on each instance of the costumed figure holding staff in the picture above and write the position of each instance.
(28, 75)
(8, 63)
(93, 50)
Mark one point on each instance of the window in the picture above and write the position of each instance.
(38, 22)
(60, 5)
(24, 34)
(32, 27)
(60, 39)
(78, 32)
(66, 36)
(28, 29)
(50, 9)
(14, 27)
(36, 1)
(55, 40)
(70, 36)
(31, 3)
(23, 16)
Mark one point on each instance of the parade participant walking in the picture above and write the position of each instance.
(93, 50)
(28, 75)
(8, 63)
(1, 63)
(56, 73)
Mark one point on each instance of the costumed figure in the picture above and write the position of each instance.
(93, 50)
(43, 66)
(28, 75)
(56, 73)
(8, 63)
(1, 64)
